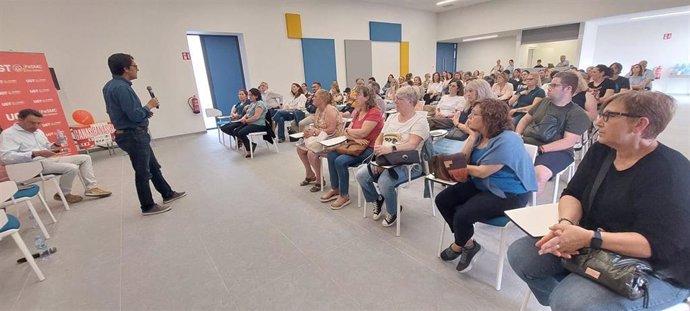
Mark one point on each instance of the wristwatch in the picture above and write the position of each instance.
(394, 148)
(595, 243)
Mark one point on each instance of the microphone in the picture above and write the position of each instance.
(150, 89)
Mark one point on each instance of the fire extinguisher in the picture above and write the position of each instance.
(193, 104)
(657, 72)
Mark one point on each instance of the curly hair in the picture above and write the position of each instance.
(495, 116)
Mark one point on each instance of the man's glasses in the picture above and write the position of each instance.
(605, 115)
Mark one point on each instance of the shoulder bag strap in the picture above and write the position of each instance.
(605, 166)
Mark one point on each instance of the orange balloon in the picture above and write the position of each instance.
(82, 117)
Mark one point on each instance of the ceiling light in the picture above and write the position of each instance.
(479, 38)
(444, 2)
(660, 15)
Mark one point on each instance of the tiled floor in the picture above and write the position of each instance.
(247, 237)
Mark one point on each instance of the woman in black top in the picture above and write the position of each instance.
(601, 86)
(640, 210)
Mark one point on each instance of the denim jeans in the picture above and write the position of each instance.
(386, 185)
(137, 144)
(286, 115)
(554, 286)
(338, 172)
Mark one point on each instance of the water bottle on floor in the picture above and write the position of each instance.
(41, 246)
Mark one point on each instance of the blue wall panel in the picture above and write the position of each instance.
(224, 70)
(319, 61)
(389, 32)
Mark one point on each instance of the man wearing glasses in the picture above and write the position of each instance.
(131, 122)
(555, 125)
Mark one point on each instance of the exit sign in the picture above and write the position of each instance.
(667, 36)
(186, 56)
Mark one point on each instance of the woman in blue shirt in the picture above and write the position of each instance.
(524, 100)
(253, 121)
(501, 177)
(238, 110)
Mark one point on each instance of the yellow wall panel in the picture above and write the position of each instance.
(404, 57)
(294, 25)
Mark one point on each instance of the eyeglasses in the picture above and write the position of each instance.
(605, 115)
(528, 79)
(552, 85)
(135, 66)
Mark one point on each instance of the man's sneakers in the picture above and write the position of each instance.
(156, 209)
(467, 257)
(389, 220)
(71, 198)
(175, 196)
(376, 211)
(97, 192)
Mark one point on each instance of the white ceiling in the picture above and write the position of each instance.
(429, 5)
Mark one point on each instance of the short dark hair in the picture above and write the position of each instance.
(119, 62)
(568, 79)
(256, 93)
(605, 69)
(317, 83)
(495, 116)
(26, 112)
(372, 79)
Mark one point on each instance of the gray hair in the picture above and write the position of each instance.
(408, 93)
(482, 88)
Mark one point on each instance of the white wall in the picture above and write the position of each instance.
(612, 45)
(548, 52)
(77, 36)
(505, 15)
(482, 55)
(385, 60)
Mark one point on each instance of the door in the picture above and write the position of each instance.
(224, 69)
(446, 56)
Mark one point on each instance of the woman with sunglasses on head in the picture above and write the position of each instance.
(639, 209)
(524, 100)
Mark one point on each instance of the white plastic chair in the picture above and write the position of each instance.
(218, 115)
(10, 227)
(501, 222)
(25, 173)
(260, 135)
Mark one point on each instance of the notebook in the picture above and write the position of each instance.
(334, 141)
(535, 220)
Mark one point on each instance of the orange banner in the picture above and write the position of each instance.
(25, 82)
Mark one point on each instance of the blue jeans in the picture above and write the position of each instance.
(338, 172)
(137, 145)
(286, 115)
(386, 185)
(554, 286)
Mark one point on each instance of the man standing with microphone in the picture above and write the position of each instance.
(131, 122)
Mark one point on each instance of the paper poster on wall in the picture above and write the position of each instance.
(25, 82)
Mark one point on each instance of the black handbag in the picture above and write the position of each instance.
(548, 130)
(626, 276)
(398, 158)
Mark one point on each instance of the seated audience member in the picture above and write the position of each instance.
(305, 91)
(585, 99)
(435, 89)
(621, 84)
(563, 63)
(489, 79)
(310, 107)
(501, 177)
(417, 84)
(555, 139)
(376, 88)
(447, 107)
(238, 111)
(293, 109)
(636, 77)
(515, 77)
(405, 130)
(526, 99)
(427, 81)
(390, 94)
(600, 85)
(272, 100)
(387, 86)
(475, 90)
(496, 69)
(327, 120)
(502, 89)
(366, 125)
(648, 75)
(25, 142)
(538, 65)
(253, 121)
(510, 67)
(335, 93)
(639, 210)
